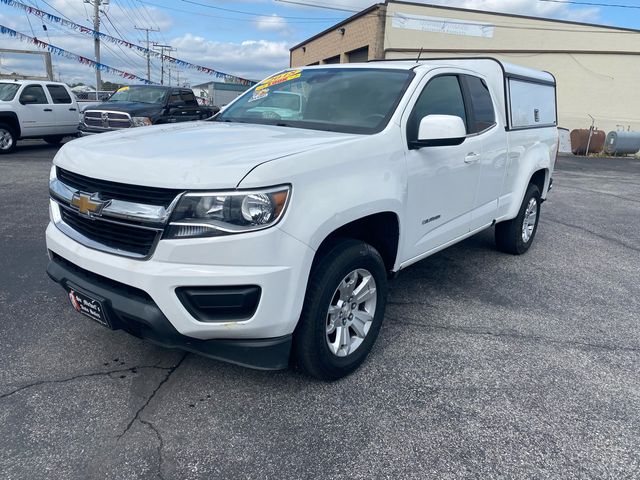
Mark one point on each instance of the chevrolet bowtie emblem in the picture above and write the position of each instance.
(88, 205)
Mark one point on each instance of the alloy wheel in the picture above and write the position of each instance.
(351, 312)
(529, 221)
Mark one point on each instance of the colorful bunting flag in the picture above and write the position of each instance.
(71, 56)
(119, 41)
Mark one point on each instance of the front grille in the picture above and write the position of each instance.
(94, 118)
(118, 191)
(117, 236)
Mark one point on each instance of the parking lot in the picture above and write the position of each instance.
(487, 366)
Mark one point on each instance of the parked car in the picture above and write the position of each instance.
(36, 109)
(143, 105)
(260, 238)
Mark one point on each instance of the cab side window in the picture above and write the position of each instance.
(174, 99)
(188, 97)
(37, 91)
(59, 94)
(441, 96)
(480, 98)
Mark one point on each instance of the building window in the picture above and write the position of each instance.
(312, 64)
(358, 55)
(335, 59)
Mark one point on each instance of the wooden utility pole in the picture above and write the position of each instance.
(96, 40)
(147, 30)
(163, 49)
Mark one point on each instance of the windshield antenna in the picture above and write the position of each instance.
(419, 53)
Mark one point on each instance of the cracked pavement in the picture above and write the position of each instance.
(487, 365)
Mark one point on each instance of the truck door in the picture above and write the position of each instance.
(64, 109)
(442, 180)
(192, 110)
(176, 107)
(483, 123)
(36, 113)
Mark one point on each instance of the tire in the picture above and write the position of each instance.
(511, 236)
(54, 140)
(328, 288)
(8, 139)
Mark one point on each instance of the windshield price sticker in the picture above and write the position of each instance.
(259, 94)
(123, 89)
(280, 78)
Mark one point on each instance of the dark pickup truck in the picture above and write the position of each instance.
(141, 105)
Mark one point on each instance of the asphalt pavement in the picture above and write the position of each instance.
(487, 365)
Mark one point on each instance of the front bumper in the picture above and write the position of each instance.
(134, 311)
(269, 259)
(85, 131)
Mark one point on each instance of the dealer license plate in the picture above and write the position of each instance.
(89, 306)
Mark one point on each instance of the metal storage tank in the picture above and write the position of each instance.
(622, 143)
(580, 140)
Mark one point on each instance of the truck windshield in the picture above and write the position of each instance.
(350, 100)
(139, 95)
(8, 91)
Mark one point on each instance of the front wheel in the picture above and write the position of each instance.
(516, 236)
(343, 310)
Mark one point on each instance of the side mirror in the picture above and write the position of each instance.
(27, 99)
(440, 131)
(215, 109)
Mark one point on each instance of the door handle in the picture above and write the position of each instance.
(48, 110)
(72, 110)
(472, 157)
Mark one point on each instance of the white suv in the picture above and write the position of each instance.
(260, 238)
(36, 109)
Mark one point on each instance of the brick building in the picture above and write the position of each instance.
(596, 66)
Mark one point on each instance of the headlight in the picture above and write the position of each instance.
(226, 213)
(141, 121)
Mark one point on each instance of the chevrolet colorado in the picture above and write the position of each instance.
(267, 234)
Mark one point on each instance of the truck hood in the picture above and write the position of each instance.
(190, 155)
(135, 109)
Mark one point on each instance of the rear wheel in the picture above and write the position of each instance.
(516, 236)
(8, 139)
(54, 140)
(343, 310)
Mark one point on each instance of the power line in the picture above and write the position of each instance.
(592, 4)
(66, 53)
(199, 13)
(97, 35)
(243, 12)
(513, 26)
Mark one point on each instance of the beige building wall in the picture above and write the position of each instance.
(365, 31)
(597, 69)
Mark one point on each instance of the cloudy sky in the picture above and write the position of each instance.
(248, 38)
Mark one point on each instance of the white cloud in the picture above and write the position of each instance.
(272, 23)
(252, 59)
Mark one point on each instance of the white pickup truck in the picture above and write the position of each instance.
(263, 239)
(36, 109)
